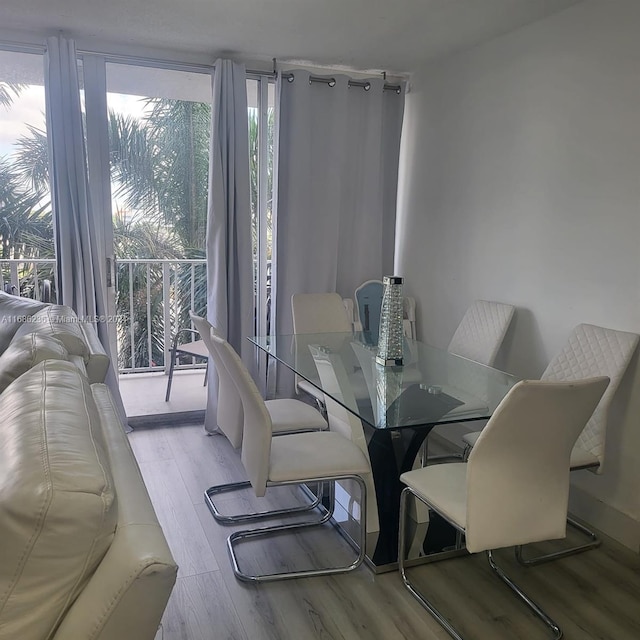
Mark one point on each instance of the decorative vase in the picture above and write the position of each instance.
(390, 342)
(388, 390)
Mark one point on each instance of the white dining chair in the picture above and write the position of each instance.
(478, 337)
(312, 457)
(336, 382)
(287, 416)
(481, 331)
(318, 313)
(514, 488)
(589, 351)
(365, 313)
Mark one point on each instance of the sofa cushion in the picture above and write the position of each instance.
(58, 511)
(13, 312)
(25, 352)
(57, 321)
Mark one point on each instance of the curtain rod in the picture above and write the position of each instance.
(364, 84)
(187, 66)
(128, 59)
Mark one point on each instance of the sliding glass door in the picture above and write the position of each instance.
(148, 133)
(159, 130)
(27, 258)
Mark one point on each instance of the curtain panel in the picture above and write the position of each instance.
(230, 306)
(338, 149)
(78, 224)
(72, 212)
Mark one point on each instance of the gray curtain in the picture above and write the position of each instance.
(337, 176)
(79, 239)
(230, 306)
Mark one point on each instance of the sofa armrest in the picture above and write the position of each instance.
(97, 361)
(127, 594)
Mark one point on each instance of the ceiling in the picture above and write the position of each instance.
(392, 35)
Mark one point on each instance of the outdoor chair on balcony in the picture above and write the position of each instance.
(196, 348)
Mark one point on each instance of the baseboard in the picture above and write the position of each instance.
(607, 519)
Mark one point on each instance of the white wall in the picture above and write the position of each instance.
(520, 182)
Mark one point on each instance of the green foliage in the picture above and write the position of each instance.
(31, 160)
(9, 90)
(160, 166)
(159, 175)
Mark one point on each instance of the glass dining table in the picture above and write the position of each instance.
(397, 406)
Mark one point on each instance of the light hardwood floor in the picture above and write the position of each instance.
(594, 595)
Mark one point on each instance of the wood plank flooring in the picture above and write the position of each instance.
(594, 595)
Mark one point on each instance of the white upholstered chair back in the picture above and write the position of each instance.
(229, 417)
(256, 442)
(594, 351)
(518, 472)
(481, 331)
(319, 313)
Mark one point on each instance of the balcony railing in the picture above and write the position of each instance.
(31, 278)
(153, 299)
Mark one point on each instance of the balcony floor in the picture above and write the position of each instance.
(143, 394)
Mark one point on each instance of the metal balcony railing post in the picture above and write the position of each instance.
(166, 307)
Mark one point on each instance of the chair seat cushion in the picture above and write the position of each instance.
(195, 348)
(444, 486)
(307, 387)
(581, 458)
(293, 415)
(470, 439)
(314, 455)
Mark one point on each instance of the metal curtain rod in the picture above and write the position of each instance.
(189, 66)
(364, 84)
(128, 59)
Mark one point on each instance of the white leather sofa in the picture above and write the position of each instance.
(22, 316)
(82, 555)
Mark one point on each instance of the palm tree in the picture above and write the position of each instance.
(25, 219)
(159, 171)
(160, 164)
(8, 88)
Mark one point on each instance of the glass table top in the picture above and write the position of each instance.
(432, 387)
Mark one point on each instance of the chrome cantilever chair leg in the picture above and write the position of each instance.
(222, 518)
(594, 543)
(536, 610)
(236, 538)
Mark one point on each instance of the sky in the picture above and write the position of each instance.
(27, 108)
